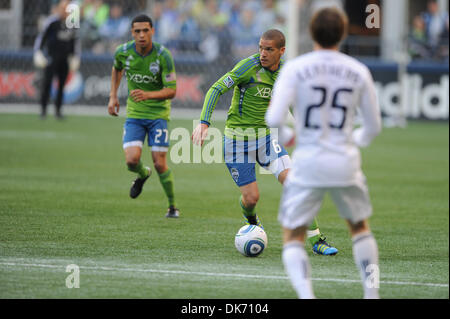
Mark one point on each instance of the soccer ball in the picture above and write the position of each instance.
(250, 240)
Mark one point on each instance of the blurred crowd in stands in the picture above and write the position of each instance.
(429, 35)
(209, 27)
(227, 29)
(217, 28)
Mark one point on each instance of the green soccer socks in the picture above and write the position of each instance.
(140, 169)
(167, 183)
(313, 232)
(246, 211)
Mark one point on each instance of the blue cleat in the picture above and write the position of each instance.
(321, 247)
(253, 220)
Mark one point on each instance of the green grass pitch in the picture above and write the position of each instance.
(64, 200)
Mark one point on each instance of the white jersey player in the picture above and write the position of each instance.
(325, 89)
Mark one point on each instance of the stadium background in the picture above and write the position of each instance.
(207, 37)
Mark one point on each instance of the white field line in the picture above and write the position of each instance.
(240, 276)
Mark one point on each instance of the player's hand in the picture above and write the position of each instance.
(39, 59)
(138, 95)
(200, 133)
(74, 62)
(113, 106)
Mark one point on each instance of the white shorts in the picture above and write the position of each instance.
(299, 205)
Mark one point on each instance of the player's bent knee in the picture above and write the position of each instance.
(132, 155)
(132, 162)
(280, 166)
(160, 162)
(251, 199)
(161, 167)
(132, 159)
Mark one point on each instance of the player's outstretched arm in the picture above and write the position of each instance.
(227, 82)
(113, 104)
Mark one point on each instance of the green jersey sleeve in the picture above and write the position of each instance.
(227, 82)
(168, 74)
(119, 58)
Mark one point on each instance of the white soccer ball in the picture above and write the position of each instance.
(250, 240)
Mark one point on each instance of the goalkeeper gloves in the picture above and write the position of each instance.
(39, 59)
(74, 62)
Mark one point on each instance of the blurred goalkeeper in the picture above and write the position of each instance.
(62, 54)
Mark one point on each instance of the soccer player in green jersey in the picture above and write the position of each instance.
(151, 80)
(247, 138)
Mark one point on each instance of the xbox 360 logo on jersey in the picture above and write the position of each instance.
(264, 92)
(139, 78)
(154, 68)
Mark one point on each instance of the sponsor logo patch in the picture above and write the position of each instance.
(171, 77)
(228, 81)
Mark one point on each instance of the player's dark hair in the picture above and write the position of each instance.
(142, 18)
(328, 27)
(276, 36)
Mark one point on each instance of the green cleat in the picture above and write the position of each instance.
(321, 247)
(253, 220)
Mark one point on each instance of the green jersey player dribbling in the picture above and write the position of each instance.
(151, 83)
(247, 139)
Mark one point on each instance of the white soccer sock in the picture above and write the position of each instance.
(297, 266)
(365, 253)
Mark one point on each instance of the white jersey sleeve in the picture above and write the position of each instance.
(370, 113)
(283, 96)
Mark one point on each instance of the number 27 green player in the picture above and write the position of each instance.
(151, 80)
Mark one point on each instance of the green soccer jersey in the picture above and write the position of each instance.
(252, 85)
(152, 72)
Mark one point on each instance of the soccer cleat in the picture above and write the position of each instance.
(321, 247)
(136, 187)
(253, 220)
(173, 212)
